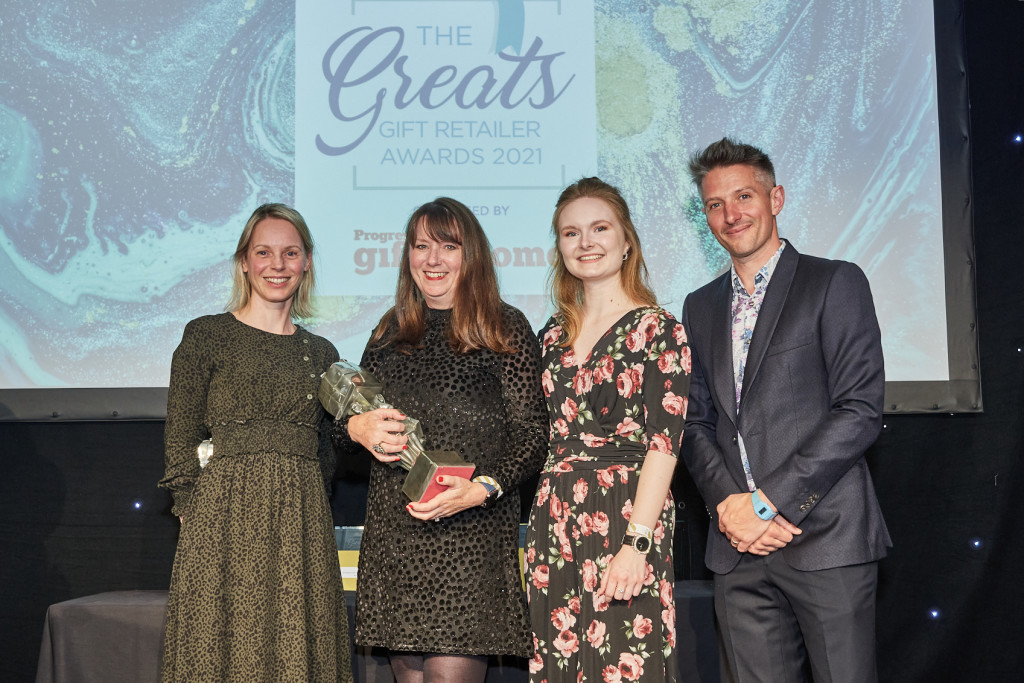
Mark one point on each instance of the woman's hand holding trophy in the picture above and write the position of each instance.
(346, 389)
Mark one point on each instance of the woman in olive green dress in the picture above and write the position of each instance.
(256, 590)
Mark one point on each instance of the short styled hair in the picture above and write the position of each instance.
(727, 152)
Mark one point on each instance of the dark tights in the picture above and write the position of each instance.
(432, 667)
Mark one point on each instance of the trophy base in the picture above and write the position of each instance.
(421, 482)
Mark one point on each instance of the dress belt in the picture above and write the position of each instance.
(580, 456)
(263, 436)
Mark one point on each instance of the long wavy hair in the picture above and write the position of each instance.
(241, 288)
(477, 321)
(567, 289)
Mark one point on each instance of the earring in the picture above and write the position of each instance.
(625, 256)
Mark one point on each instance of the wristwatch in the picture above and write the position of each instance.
(761, 508)
(641, 544)
(492, 496)
(639, 538)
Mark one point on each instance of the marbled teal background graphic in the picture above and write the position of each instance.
(841, 95)
(136, 138)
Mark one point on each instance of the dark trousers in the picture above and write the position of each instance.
(780, 624)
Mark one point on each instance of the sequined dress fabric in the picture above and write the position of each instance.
(255, 591)
(452, 586)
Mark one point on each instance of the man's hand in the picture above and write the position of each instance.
(738, 521)
(778, 535)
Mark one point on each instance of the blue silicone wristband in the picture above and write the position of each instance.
(761, 508)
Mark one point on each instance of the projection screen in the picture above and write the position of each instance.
(136, 140)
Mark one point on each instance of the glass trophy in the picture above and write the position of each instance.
(347, 389)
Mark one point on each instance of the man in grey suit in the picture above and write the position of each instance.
(785, 397)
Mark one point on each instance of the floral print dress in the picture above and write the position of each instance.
(626, 398)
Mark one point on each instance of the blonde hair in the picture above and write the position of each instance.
(241, 288)
(566, 288)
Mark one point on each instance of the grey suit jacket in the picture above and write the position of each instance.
(811, 404)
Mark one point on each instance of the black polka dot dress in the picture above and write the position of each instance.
(256, 589)
(452, 586)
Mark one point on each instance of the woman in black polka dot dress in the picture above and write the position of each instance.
(256, 591)
(439, 582)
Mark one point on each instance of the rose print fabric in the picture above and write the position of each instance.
(626, 398)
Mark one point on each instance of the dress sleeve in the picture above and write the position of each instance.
(326, 451)
(185, 429)
(525, 412)
(666, 384)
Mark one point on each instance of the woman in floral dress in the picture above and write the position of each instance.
(616, 375)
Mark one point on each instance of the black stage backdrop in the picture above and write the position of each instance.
(80, 514)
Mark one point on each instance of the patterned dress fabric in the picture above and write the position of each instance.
(256, 590)
(452, 586)
(626, 398)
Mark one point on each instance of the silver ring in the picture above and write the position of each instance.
(378, 448)
(735, 543)
(619, 591)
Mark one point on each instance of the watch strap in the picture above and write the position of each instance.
(493, 490)
(761, 508)
(640, 529)
(640, 537)
(490, 483)
(641, 543)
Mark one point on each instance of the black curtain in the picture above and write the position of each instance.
(79, 514)
(949, 485)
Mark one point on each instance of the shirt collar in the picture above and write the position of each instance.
(763, 276)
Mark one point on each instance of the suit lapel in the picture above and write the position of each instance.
(721, 347)
(768, 316)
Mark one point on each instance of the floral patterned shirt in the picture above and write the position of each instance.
(629, 393)
(745, 308)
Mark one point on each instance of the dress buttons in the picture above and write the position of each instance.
(312, 375)
(305, 358)
(310, 396)
(305, 341)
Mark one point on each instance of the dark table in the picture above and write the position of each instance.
(103, 638)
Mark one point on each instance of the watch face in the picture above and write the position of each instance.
(642, 544)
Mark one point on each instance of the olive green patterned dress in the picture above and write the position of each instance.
(256, 589)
